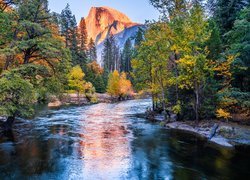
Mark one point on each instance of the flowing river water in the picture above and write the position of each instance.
(108, 141)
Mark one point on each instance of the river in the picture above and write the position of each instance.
(108, 141)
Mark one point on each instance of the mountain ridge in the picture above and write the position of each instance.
(100, 21)
(103, 21)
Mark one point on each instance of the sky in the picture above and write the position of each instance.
(137, 10)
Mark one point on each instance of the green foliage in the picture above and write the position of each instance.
(139, 37)
(225, 12)
(239, 44)
(99, 84)
(16, 96)
(79, 85)
(110, 55)
(92, 56)
(113, 83)
(214, 43)
(126, 56)
(75, 79)
(83, 36)
(5, 30)
(44, 82)
(94, 74)
(70, 32)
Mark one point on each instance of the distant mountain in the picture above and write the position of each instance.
(103, 21)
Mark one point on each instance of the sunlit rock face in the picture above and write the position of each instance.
(103, 21)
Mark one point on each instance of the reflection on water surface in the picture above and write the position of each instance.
(107, 141)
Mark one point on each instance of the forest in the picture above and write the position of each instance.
(45, 54)
(193, 61)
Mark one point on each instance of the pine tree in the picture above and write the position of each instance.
(239, 45)
(226, 12)
(34, 38)
(65, 24)
(94, 74)
(110, 54)
(99, 84)
(116, 57)
(171, 8)
(139, 37)
(107, 55)
(83, 36)
(127, 56)
(214, 43)
(70, 31)
(77, 59)
(92, 56)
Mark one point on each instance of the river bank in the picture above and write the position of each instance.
(217, 132)
(73, 99)
(109, 140)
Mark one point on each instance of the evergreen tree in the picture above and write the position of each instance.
(83, 36)
(34, 37)
(92, 56)
(65, 24)
(94, 74)
(110, 54)
(107, 55)
(139, 37)
(116, 57)
(127, 56)
(226, 12)
(69, 31)
(99, 84)
(239, 46)
(214, 43)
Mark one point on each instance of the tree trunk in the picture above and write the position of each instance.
(26, 59)
(7, 125)
(197, 105)
(163, 103)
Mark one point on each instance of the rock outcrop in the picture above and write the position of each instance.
(103, 21)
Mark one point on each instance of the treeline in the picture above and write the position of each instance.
(197, 66)
(117, 58)
(43, 55)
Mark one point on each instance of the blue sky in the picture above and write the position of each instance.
(137, 10)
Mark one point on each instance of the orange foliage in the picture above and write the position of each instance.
(94, 66)
(119, 85)
(125, 85)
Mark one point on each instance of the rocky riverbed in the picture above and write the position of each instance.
(218, 132)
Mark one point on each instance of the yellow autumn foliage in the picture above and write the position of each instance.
(220, 113)
(119, 85)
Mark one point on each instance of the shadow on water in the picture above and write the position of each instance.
(108, 141)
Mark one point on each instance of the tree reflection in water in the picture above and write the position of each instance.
(108, 141)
